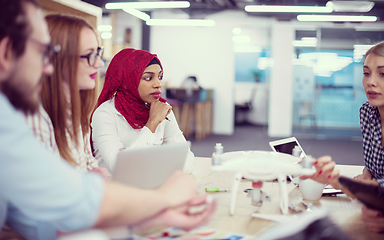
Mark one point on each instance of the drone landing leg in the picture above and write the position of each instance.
(235, 187)
(283, 194)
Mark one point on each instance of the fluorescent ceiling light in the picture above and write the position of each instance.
(106, 35)
(294, 9)
(362, 46)
(171, 4)
(247, 49)
(139, 14)
(309, 39)
(241, 39)
(104, 28)
(236, 30)
(350, 6)
(304, 43)
(335, 18)
(369, 28)
(181, 22)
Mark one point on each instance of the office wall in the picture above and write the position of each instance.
(205, 52)
(125, 21)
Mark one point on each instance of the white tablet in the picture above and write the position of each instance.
(286, 145)
(150, 167)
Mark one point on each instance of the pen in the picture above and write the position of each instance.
(216, 189)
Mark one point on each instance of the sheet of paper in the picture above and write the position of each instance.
(199, 233)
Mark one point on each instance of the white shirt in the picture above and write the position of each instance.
(40, 196)
(112, 133)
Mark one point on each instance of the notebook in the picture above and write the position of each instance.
(150, 167)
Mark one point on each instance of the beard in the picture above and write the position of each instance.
(22, 96)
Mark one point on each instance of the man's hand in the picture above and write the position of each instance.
(181, 217)
(178, 189)
(373, 219)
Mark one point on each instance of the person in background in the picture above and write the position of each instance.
(131, 112)
(191, 83)
(40, 196)
(69, 95)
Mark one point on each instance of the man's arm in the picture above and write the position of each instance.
(123, 205)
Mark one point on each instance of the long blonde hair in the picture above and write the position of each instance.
(67, 117)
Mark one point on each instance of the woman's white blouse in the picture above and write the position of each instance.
(112, 133)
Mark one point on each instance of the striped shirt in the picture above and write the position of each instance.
(43, 130)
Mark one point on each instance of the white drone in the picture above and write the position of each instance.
(260, 166)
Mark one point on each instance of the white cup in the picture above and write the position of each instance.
(311, 190)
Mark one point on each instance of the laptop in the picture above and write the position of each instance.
(286, 145)
(150, 167)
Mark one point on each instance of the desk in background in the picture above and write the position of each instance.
(346, 213)
(193, 110)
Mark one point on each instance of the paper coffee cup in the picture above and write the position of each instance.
(310, 189)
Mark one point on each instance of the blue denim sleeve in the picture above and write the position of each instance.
(37, 188)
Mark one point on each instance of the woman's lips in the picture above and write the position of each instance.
(93, 76)
(372, 94)
(156, 94)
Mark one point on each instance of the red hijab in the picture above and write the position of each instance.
(122, 81)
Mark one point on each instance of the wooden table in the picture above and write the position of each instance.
(342, 210)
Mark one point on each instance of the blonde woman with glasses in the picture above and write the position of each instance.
(68, 95)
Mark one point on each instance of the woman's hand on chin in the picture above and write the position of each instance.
(157, 113)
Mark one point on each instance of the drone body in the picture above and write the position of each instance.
(260, 166)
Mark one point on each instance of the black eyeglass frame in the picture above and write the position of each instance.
(49, 52)
(99, 53)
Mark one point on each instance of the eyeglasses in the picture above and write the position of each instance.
(92, 57)
(49, 53)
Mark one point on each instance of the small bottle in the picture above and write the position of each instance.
(216, 156)
(296, 152)
(307, 162)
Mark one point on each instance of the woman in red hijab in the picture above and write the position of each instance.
(130, 112)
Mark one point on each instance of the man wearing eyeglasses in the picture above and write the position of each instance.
(40, 196)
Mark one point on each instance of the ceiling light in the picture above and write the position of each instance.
(299, 43)
(336, 18)
(106, 35)
(236, 30)
(104, 28)
(350, 6)
(362, 46)
(247, 49)
(309, 39)
(139, 14)
(181, 22)
(241, 39)
(294, 9)
(368, 28)
(172, 4)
